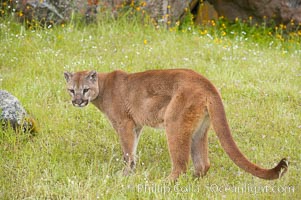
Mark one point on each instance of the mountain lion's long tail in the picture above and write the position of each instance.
(221, 127)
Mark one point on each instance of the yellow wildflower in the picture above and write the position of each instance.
(279, 37)
(143, 4)
(281, 26)
(203, 32)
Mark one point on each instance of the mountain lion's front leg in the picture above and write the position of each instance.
(129, 137)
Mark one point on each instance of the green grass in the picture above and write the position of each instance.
(76, 154)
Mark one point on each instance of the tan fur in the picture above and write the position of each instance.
(182, 101)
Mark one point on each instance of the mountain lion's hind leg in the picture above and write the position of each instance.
(179, 147)
(199, 148)
(182, 118)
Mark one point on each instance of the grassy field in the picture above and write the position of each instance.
(76, 154)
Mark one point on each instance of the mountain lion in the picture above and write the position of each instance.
(181, 101)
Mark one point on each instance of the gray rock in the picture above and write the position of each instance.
(287, 12)
(44, 13)
(168, 12)
(12, 112)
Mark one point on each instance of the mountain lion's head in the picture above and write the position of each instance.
(82, 86)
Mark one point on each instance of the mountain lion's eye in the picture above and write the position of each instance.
(86, 90)
(71, 90)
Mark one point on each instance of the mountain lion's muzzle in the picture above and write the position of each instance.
(80, 102)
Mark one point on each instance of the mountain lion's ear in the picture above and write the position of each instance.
(92, 76)
(68, 76)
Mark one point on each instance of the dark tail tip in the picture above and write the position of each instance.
(282, 167)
